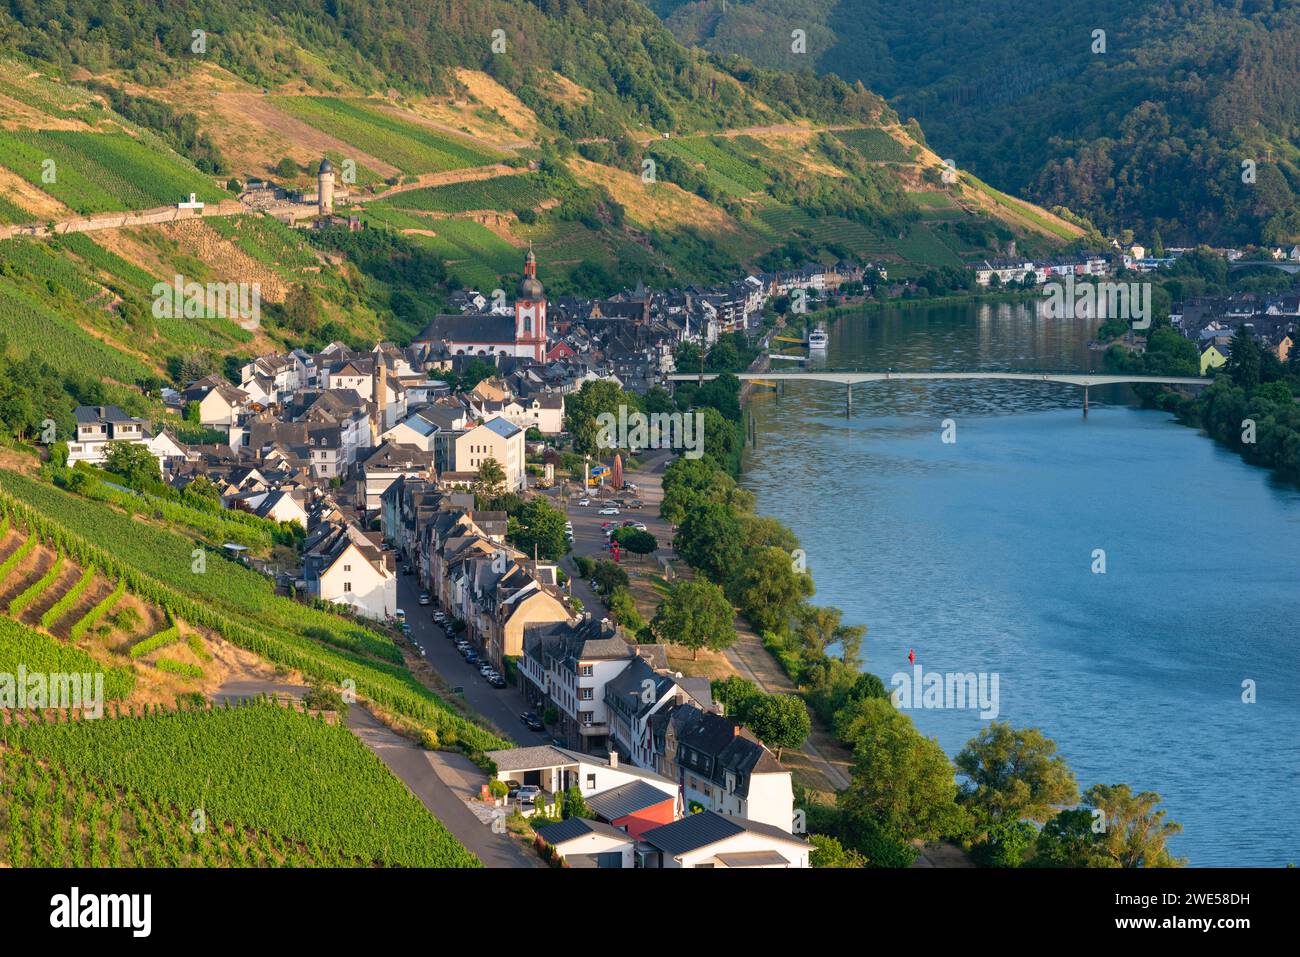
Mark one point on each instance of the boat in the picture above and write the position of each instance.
(818, 341)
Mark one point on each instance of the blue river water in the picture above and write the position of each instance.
(978, 555)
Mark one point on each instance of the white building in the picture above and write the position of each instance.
(342, 564)
(495, 439)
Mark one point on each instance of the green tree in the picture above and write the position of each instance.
(491, 479)
(768, 588)
(609, 576)
(583, 409)
(779, 720)
(709, 539)
(540, 527)
(635, 541)
(1014, 774)
(902, 782)
(622, 608)
(1071, 839)
(696, 614)
(829, 852)
(133, 462)
(1135, 832)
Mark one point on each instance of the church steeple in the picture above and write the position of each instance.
(530, 312)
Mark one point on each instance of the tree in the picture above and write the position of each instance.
(902, 783)
(829, 852)
(1014, 774)
(133, 462)
(1135, 833)
(581, 412)
(768, 588)
(540, 526)
(635, 540)
(780, 720)
(609, 576)
(709, 539)
(622, 608)
(491, 480)
(1071, 840)
(1006, 844)
(818, 628)
(696, 614)
(691, 483)
(735, 694)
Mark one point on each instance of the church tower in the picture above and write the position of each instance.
(530, 312)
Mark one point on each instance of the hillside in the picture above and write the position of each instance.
(1149, 135)
(756, 159)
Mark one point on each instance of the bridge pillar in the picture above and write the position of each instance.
(1085, 401)
(848, 399)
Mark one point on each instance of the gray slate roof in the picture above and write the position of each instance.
(556, 834)
(626, 799)
(708, 827)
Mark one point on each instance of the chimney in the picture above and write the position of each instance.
(613, 759)
(735, 730)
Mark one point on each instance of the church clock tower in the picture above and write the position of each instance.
(530, 312)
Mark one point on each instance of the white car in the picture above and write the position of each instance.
(609, 511)
(584, 502)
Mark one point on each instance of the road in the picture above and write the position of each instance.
(501, 706)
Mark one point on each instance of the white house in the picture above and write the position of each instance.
(342, 564)
(495, 439)
(97, 425)
(712, 840)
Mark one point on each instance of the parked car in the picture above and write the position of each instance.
(514, 787)
(439, 615)
(528, 793)
(594, 585)
(633, 503)
(486, 670)
(407, 570)
(497, 681)
(584, 502)
(424, 598)
(532, 722)
(609, 511)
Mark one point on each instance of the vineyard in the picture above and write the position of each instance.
(876, 145)
(410, 147)
(726, 171)
(37, 652)
(300, 790)
(103, 172)
(233, 601)
(523, 191)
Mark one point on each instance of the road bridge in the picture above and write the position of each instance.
(849, 378)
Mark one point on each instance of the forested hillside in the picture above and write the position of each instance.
(1149, 134)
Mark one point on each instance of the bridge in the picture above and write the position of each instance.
(850, 378)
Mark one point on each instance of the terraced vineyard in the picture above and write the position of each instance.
(103, 172)
(33, 651)
(726, 172)
(233, 601)
(523, 191)
(408, 146)
(875, 144)
(308, 789)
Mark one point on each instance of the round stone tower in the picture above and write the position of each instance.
(325, 187)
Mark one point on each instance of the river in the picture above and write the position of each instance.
(978, 555)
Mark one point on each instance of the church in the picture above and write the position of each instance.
(522, 335)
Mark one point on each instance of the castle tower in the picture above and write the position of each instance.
(530, 312)
(325, 187)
